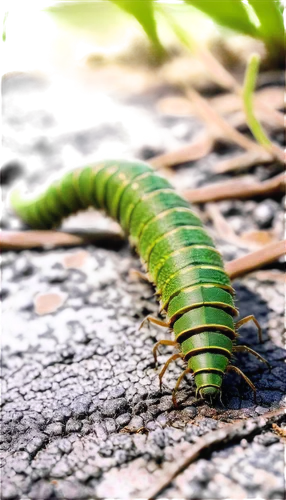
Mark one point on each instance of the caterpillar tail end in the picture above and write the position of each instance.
(209, 394)
(17, 201)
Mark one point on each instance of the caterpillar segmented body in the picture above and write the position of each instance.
(180, 257)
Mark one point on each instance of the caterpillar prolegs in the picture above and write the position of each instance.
(180, 257)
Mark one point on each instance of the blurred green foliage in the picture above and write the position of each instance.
(101, 22)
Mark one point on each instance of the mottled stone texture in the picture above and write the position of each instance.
(77, 385)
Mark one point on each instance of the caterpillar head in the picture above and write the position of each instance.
(209, 393)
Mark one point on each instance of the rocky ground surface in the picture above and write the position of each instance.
(80, 381)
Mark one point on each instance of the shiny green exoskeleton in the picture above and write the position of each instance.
(179, 255)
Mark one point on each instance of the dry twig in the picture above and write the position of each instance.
(271, 275)
(226, 232)
(255, 260)
(200, 147)
(19, 240)
(243, 161)
(218, 125)
(216, 69)
(218, 129)
(237, 188)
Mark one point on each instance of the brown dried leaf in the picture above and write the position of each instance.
(75, 260)
(260, 238)
(48, 303)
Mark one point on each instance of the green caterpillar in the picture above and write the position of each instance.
(180, 257)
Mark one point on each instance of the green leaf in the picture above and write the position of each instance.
(104, 19)
(145, 12)
(269, 18)
(94, 20)
(256, 18)
(228, 16)
(189, 25)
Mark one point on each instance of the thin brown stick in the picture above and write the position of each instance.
(200, 147)
(217, 70)
(221, 129)
(269, 275)
(213, 440)
(242, 161)
(230, 104)
(265, 101)
(214, 68)
(19, 240)
(278, 153)
(225, 231)
(238, 188)
(255, 260)
(219, 125)
(267, 115)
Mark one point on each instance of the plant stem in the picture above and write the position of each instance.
(247, 94)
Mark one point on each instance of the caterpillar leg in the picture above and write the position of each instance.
(126, 430)
(172, 358)
(176, 388)
(247, 380)
(155, 321)
(161, 342)
(246, 320)
(245, 348)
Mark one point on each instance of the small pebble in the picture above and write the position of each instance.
(4, 293)
(28, 306)
(41, 119)
(148, 149)
(187, 130)
(42, 147)
(265, 213)
(23, 267)
(56, 275)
